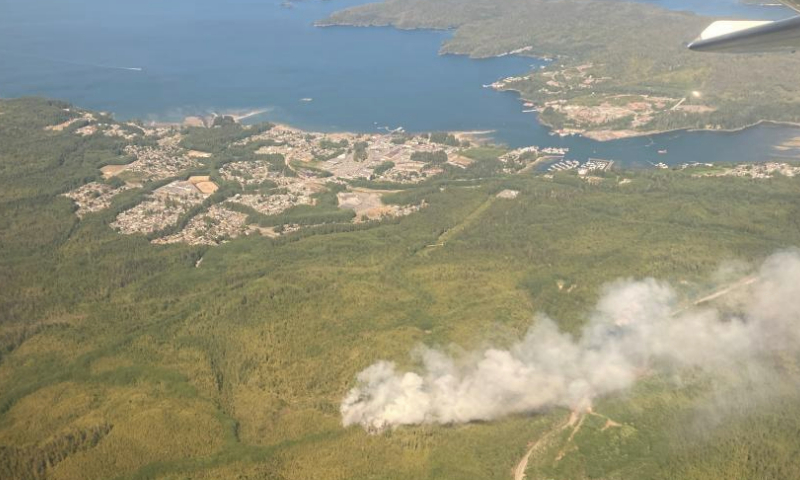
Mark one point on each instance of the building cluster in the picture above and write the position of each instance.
(163, 208)
(92, 126)
(247, 173)
(216, 225)
(272, 184)
(152, 215)
(636, 110)
(557, 81)
(109, 130)
(563, 165)
(761, 170)
(87, 130)
(94, 197)
(595, 165)
(572, 96)
(555, 151)
(157, 163)
(513, 155)
(284, 192)
(271, 204)
(684, 166)
(590, 166)
(349, 156)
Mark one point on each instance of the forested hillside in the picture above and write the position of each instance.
(120, 358)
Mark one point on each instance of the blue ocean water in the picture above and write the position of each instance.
(198, 56)
(164, 60)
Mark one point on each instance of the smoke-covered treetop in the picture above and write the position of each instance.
(636, 329)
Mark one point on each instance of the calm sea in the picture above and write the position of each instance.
(166, 59)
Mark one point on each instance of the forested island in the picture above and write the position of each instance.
(618, 69)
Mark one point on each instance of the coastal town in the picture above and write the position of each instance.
(400, 239)
(567, 99)
(285, 169)
(280, 172)
(758, 171)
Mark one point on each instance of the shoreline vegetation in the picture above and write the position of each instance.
(598, 136)
(238, 116)
(617, 70)
(478, 136)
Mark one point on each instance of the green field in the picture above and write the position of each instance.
(122, 359)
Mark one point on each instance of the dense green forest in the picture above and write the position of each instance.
(124, 359)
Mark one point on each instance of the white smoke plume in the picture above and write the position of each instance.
(633, 329)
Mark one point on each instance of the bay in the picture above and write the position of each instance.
(162, 60)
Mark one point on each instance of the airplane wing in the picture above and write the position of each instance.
(795, 4)
(751, 36)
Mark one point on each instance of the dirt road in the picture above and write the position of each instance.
(519, 470)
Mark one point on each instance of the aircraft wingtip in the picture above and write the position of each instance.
(694, 45)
